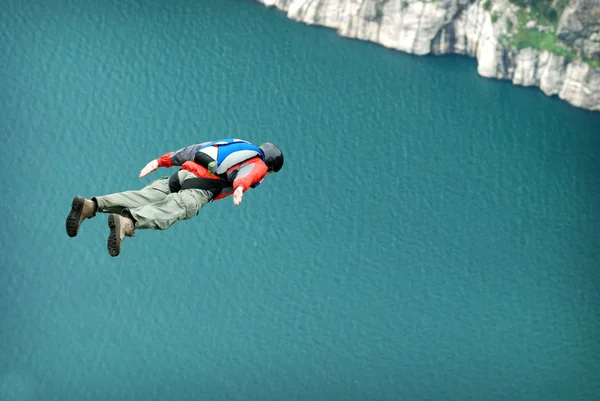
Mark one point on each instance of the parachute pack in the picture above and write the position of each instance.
(219, 156)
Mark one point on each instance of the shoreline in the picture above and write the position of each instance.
(490, 31)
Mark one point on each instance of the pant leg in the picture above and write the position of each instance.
(156, 191)
(174, 207)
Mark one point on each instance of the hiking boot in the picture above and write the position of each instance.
(120, 227)
(81, 209)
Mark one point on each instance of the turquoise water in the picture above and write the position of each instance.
(433, 235)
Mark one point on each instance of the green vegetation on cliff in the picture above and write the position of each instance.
(537, 23)
(543, 35)
(542, 10)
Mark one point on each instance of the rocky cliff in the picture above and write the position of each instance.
(551, 44)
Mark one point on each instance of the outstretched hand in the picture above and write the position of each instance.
(237, 195)
(150, 167)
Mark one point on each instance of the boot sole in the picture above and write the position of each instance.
(72, 223)
(114, 242)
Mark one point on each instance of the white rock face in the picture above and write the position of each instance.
(461, 27)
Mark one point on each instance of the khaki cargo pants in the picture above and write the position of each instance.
(154, 206)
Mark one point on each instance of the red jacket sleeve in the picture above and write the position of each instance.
(180, 156)
(165, 160)
(250, 173)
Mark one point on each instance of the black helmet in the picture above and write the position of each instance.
(273, 156)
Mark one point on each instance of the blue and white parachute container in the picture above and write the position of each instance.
(227, 153)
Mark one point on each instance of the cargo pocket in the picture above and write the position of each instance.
(190, 203)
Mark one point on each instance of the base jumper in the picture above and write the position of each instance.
(208, 172)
